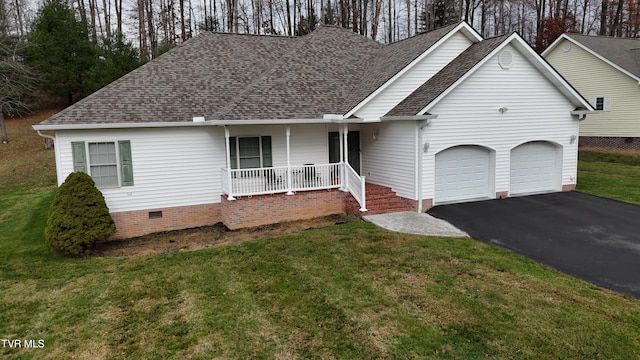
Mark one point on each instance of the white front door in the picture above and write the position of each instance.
(534, 168)
(462, 173)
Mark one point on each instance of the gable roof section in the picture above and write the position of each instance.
(446, 77)
(395, 58)
(621, 53)
(429, 93)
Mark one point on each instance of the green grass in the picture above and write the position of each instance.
(614, 176)
(346, 291)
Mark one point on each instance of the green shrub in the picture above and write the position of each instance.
(78, 216)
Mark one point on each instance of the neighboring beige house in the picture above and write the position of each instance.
(606, 71)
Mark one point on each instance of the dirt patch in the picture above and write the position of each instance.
(207, 237)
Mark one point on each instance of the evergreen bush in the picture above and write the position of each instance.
(78, 216)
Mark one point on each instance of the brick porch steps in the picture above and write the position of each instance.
(380, 200)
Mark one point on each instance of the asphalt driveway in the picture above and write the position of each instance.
(591, 238)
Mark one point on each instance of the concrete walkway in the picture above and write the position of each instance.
(415, 223)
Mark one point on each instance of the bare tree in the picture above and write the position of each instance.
(17, 82)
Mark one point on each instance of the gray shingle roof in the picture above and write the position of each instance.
(624, 52)
(446, 77)
(232, 77)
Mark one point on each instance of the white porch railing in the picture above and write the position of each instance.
(271, 180)
(355, 185)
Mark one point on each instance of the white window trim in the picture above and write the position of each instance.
(606, 103)
(118, 164)
(259, 149)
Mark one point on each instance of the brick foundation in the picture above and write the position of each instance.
(609, 143)
(569, 187)
(271, 209)
(137, 223)
(427, 204)
(502, 194)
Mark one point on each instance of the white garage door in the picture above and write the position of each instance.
(462, 173)
(534, 168)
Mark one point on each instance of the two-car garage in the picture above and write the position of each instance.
(468, 172)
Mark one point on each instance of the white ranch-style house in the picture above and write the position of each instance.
(250, 130)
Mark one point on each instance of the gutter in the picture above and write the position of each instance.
(53, 138)
(581, 114)
(199, 121)
(409, 117)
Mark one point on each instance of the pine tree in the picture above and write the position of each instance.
(61, 51)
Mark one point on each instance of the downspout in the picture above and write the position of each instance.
(53, 138)
(56, 150)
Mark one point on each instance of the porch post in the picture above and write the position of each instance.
(345, 133)
(229, 177)
(342, 172)
(289, 187)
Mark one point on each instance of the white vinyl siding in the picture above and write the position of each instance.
(173, 167)
(593, 78)
(469, 115)
(390, 160)
(308, 143)
(414, 77)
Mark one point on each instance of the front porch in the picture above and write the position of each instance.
(289, 159)
(291, 179)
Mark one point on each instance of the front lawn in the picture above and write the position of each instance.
(610, 175)
(346, 291)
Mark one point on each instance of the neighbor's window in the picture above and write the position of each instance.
(108, 163)
(602, 103)
(250, 152)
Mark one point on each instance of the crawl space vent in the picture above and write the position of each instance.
(506, 59)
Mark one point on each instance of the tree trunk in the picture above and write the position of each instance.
(376, 19)
(3, 129)
(19, 18)
(183, 29)
(107, 16)
(118, 4)
(616, 28)
(603, 17)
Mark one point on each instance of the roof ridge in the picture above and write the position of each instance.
(209, 33)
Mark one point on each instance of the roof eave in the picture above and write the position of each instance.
(173, 124)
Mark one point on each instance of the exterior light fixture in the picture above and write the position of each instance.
(374, 134)
(573, 138)
(503, 109)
